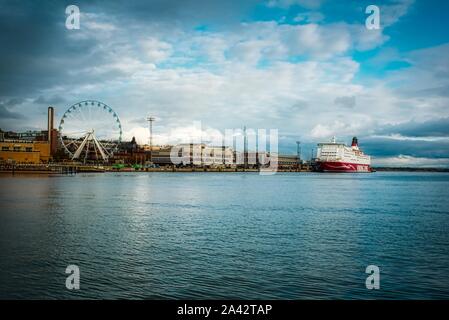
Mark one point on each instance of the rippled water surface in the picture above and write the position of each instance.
(225, 235)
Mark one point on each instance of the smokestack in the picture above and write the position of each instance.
(355, 142)
(51, 115)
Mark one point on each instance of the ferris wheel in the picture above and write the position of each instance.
(90, 130)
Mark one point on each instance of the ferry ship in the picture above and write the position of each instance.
(337, 157)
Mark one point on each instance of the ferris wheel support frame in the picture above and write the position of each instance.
(90, 136)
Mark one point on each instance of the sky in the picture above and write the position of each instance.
(309, 68)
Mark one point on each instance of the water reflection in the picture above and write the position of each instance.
(214, 235)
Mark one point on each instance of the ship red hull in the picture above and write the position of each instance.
(342, 167)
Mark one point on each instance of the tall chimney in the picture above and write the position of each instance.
(51, 115)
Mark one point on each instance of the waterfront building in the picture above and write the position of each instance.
(288, 161)
(18, 152)
(28, 152)
(31, 147)
(190, 154)
(161, 155)
(129, 153)
(218, 156)
(202, 155)
(254, 160)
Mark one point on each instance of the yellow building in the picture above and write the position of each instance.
(34, 152)
(30, 152)
(44, 149)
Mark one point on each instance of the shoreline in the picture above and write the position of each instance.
(74, 169)
(410, 169)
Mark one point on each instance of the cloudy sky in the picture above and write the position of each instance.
(309, 68)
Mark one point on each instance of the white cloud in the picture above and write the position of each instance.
(186, 133)
(318, 41)
(309, 17)
(248, 75)
(354, 125)
(156, 50)
(400, 137)
(409, 161)
(249, 52)
(309, 4)
(364, 39)
(392, 12)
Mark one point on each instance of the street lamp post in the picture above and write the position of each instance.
(298, 153)
(150, 120)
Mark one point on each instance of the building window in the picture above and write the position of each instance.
(16, 148)
(5, 148)
(29, 149)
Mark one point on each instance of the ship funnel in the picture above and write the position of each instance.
(355, 142)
